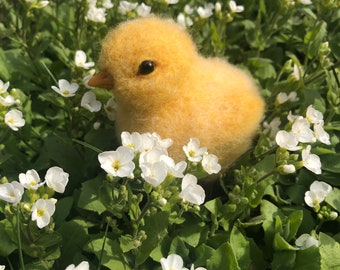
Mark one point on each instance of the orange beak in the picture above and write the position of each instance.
(101, 80)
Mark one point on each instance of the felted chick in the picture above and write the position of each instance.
(162, 84)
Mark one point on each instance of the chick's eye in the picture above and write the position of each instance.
(146, 67)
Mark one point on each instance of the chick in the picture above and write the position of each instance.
(162, 84)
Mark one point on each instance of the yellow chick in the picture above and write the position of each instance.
(162, 84)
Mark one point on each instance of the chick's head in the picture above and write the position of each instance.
(147, 60)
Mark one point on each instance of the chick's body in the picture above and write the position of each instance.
(185, 95)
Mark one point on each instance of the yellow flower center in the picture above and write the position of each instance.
(116, 165)
(40, 212)
(315, 202)
(10, 121)
(66, 92)
(192, 153)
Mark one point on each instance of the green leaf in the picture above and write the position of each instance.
(240, 245)
(223, 258)
(7, 246)
(331, 163)
(89, 199)
(192, 232)
(63, 209)
(333, 199)
(178, 247)
(308, 259)
(315, 37)
(126, 243)
(283, 260)
(155, 228)
(329, 251)
(293, 223)
(112, 255)
(280, 243)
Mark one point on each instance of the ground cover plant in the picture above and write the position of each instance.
(72, 196)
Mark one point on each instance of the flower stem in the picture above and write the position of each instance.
(21, 257)
(103, 247)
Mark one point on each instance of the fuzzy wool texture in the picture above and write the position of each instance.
(187, 95)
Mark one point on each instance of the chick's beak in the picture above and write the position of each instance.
(102, 80)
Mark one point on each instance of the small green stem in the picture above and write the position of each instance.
(265, 176)
(103, 247)
(21, 257)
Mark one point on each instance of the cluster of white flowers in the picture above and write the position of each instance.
(155, 163)
(126, 7)
(98, 14)
(13, 117)
(175, 262)
(89, 100)
(301, 136)
(42, 209)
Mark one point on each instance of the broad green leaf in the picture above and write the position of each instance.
(126, 243)
(331, 163)
(293, 223)
(112, 255)
(89, 198)
(192, 233)
(223, 258)
(63, 208)
(283, 260)
(308, 259)
(241, 247)
(178, 247)
(333, 199)
(280, 243)
(7, 246)
(155, 228)
(329, 251)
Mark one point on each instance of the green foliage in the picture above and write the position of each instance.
(259, 209)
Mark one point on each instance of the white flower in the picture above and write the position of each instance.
(7, 101)
(117, 163)
(188, 9)
(90, 102)
(272, 128)
(311, 161)
(110, 109)
(162, 143)
(193, 151)
(287, 140)
(192, 192)
(172, 262)
(2, 267)
(218, 7)
(235, 8)
(92, 3)
(198, 268)
(296, 72)
(14, 119)
(291, 117)
(184, 20)
(96, 14)
(306, 2)
(131, 140)
(174, 170)
(317, 193)
(320, 134)
(210, 163)
(143, 10)
(65, 88)
(57, 179)
(82, 266)
(301, 128)
(289, 168)
(3, 87)
(107, 4)
(11, 192)
(30, 180)
(154, 171)
(171, 2)
(125, 7)
(314, 116)
(305, 241)
(206, 11)
(42, 210)
(282, 97)
(80, 60)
